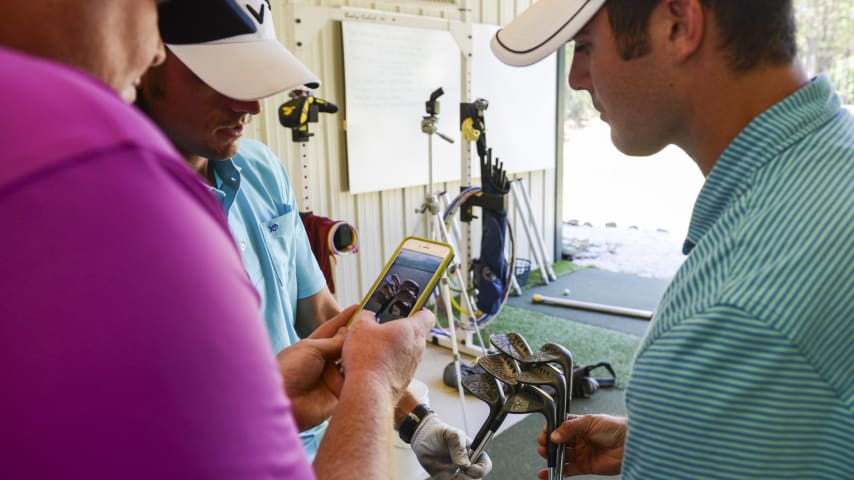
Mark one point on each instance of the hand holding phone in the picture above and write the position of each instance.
(408, 279)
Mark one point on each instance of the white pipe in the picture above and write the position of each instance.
(514, 284)
(532, 243)
(596, 307)
(449, 312)
(444, 204)
(537, 234)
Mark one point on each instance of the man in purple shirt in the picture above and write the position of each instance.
(126, 352)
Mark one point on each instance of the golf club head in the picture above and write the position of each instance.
(562, 355)
(511, 344)
(531, 399)
(485, 387)
(564, 358)
(515, 346)
(544, 374)
(519, 342)
(501, 367)
(489, 389)
(547, 375)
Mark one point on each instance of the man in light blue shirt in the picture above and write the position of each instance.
(202, 97)
(264, 220)
(263, 217)
(747, 368)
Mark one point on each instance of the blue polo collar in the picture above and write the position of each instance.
(227, 179)
(764, 139)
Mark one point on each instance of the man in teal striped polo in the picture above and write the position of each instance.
(747, 370)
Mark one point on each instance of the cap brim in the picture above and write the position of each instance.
(246, 70)
(541, 29)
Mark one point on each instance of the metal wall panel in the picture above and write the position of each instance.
(383, 218)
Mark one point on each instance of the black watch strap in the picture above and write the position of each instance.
(411, 422)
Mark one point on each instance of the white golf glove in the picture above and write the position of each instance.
(443, 451)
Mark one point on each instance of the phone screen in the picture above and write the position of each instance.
(403, 284)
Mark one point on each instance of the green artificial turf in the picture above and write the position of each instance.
(560, 268)
(587, 343)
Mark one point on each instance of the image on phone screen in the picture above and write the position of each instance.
(398, 291)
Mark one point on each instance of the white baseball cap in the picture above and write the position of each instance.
(542, 29)
(250, 66)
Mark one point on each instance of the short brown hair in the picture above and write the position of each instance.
(753, 32)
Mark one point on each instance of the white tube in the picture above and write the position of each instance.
(596, 307)
(535, 252)
(537, 234)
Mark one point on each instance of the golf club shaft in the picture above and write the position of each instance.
(485, 429)
(494, 424)
(475, 455)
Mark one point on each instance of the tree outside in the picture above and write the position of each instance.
(825, 44)
(650, 199)
(826, 41)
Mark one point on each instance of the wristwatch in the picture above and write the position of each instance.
(411, 422)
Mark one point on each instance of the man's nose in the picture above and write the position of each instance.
(579, 73)
(159, 54)
(252, 107)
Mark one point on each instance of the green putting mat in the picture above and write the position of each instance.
(587, 343)
(596, 286)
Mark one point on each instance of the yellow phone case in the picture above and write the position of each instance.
(424, 292)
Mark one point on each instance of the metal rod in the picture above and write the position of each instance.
(514, 284)
(430, 232)
(457, 272)
(446, 296)
(544, 276)
(537, 235)
(595, 307)
(455, 230)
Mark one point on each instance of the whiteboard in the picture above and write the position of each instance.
(389, 74)
(520, 120)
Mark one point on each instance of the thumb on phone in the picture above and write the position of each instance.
(331, 326)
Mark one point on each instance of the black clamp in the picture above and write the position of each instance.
(497, 202)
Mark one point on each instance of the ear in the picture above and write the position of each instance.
(687, 27)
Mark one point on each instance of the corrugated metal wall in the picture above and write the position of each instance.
(383, 218)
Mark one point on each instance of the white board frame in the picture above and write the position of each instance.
(522, 134)
(390, 72)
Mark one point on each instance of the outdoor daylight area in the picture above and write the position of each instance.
(631, 214)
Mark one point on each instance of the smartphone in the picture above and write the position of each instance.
(408, 279)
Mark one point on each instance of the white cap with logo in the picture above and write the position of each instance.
(250, 66)
(542, 29)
